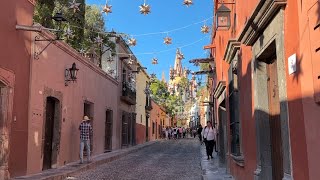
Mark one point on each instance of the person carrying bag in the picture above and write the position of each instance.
(209, 137)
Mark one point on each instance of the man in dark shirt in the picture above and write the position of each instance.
(199, 133)
(85, 134)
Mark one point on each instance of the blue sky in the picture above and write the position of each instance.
(165, 15)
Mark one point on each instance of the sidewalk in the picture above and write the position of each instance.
(211, 169)
(67, 171)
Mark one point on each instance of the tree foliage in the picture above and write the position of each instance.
(85, 24)
(161, 95)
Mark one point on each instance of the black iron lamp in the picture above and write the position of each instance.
(71, 74)
(58, 17)
(223, 18)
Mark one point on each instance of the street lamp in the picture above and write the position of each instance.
(223, 18)
(71, 74)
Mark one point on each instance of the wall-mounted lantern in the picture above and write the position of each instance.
(223, 18)
(71, 74)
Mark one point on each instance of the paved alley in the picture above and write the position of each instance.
(174, 159)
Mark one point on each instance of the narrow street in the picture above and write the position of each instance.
(174, 159)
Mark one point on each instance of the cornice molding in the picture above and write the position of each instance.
(232, 47)
(219, 89)
(262, 15)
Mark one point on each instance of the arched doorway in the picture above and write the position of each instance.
(51, 133)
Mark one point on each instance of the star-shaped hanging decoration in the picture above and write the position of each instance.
(145, 9)
(68, 32)
(167, 40)
(107, 9)
(132, 42)
(154, 61)
(188, 71)
(187, 2)
(196, 63)
(98, 40)
(153, 75)
(74, 5)
(205, 29)
(82, 51)
(110, 59)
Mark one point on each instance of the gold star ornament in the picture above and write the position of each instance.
(187, 2)
(145, 9)
(132, 42)
(154, 61)
(74, 5)
(167, 40)
(107, 9)
(205, 29)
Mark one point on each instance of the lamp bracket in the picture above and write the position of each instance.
(37, 39)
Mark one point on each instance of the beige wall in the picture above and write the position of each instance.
(141, 80)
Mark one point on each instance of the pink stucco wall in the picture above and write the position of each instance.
(93, 85)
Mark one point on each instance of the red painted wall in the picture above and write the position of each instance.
(93, 85)
(15, 57)
(140, 133)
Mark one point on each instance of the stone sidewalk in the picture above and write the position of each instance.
(211, 169)
(69, 170)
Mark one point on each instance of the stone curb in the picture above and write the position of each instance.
(74, 168)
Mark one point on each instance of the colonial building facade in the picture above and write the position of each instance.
(266, 88)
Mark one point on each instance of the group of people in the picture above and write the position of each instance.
(175, 132)
(208, 136)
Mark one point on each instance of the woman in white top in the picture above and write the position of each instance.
(209, 138)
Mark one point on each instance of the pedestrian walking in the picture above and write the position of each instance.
(167, 133)
(86, 131)
(184, 132)
(209, 137)
(200, 133)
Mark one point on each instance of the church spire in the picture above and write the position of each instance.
(163, 79)
(177, 63)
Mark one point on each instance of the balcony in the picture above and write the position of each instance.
(148, 105)
(128, 95)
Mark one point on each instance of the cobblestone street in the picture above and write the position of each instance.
(174, 159)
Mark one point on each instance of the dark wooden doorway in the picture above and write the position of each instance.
(51, 135)
(274, 120)
(3, 129)
(222, 133)
(88, 110)
(108, 131)
(147, 128)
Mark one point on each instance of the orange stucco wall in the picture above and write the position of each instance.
(154, 118)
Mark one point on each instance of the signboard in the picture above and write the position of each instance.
(292, 64)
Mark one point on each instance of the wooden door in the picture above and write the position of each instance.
(3, 123)
(124, 129)
(108, 131)
(147, 128)
(222, 135)
(274, 121)
(48, 137)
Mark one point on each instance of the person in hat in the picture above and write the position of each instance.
(85, 134)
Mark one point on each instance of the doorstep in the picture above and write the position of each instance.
(74, 168)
